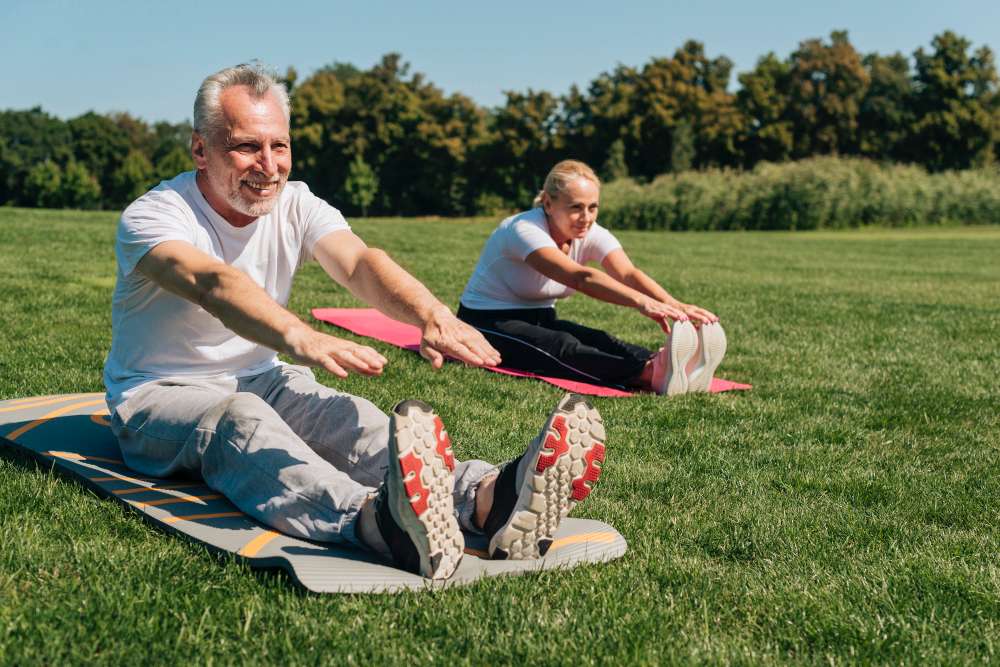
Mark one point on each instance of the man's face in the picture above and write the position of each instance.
(243, 171)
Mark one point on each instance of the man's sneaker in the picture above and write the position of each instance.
(670, 362)
(535, 491)
(414, 507)
(711, 350)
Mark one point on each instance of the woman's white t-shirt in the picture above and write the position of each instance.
(502, 279)
(159, 335)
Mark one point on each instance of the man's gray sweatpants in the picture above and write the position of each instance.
(290, 452)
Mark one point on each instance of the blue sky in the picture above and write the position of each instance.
(148, 58)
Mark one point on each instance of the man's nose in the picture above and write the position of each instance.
(265, 161)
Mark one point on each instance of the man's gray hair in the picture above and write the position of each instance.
(209, 120)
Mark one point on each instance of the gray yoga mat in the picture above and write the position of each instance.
(71, 431)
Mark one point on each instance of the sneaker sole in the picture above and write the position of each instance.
(564, 466)
(713, 344)
(683, 345)
(424, 508)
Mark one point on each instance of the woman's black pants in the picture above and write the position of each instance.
(534, 339)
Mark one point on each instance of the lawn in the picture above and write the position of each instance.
(843, 511)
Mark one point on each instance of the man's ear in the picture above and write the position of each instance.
(198, 151)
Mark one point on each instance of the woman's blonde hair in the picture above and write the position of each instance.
(562, 175)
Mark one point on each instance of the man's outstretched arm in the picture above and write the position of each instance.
(372, 276)
(249, 311)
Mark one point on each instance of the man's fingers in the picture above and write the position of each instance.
(475, 344)
(371, 357)
(466, 355)
(489, 354)
(333, 367)
(431, 355)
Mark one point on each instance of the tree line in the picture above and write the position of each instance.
(385, 141)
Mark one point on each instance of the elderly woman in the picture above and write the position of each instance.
(538, 256)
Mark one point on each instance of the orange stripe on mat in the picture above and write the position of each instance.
(73, 456)
(195, 517)
(29, 403)
(603, 536)
(16, 433)
(143, 489)
(123, 478)
(183, 498)
(253, 547)
(32, 399)
(101, 418)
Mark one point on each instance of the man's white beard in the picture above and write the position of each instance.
(253, 207)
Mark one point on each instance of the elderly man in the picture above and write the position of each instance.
(194, 385)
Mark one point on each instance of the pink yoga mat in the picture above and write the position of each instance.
(370, 323)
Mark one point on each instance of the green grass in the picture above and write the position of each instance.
(843, 511)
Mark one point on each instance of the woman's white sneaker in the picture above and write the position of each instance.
(711, 350)
(670, 363)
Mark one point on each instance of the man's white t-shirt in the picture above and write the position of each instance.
(158, 335)
(502, 279)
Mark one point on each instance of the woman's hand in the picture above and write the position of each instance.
(661, 313)
(698, 314)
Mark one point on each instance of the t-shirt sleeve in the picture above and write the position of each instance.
(146, 224)
(599, 243)
(524, 238)
(318, 220)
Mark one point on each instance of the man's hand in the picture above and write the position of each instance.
(444, 335)
(336, 355)
(661, 313)
(699, 314)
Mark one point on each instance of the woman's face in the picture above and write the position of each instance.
(573, 211)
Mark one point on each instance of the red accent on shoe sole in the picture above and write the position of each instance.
(558, 447)
(580, 487)
(412, 484)
(444, 444)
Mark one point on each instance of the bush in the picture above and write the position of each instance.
(820, 193)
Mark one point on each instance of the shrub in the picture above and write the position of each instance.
(819, 193)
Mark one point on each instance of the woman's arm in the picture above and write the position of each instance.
(553, 264)
(620, 267)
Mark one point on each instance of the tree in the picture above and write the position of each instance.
(30, 137)
(79, 188)
(682, 148)
(592, 122)
(133, 178)
(101, 146)
(360, 185)
(826, 84)
(954, 91)
(687, 88)
(763, 99)
(178, 160)
(522, 146)
(139, 135)
(615, 167)
(170, 137)
(42, 185)
(886, 113)
(416, 139)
